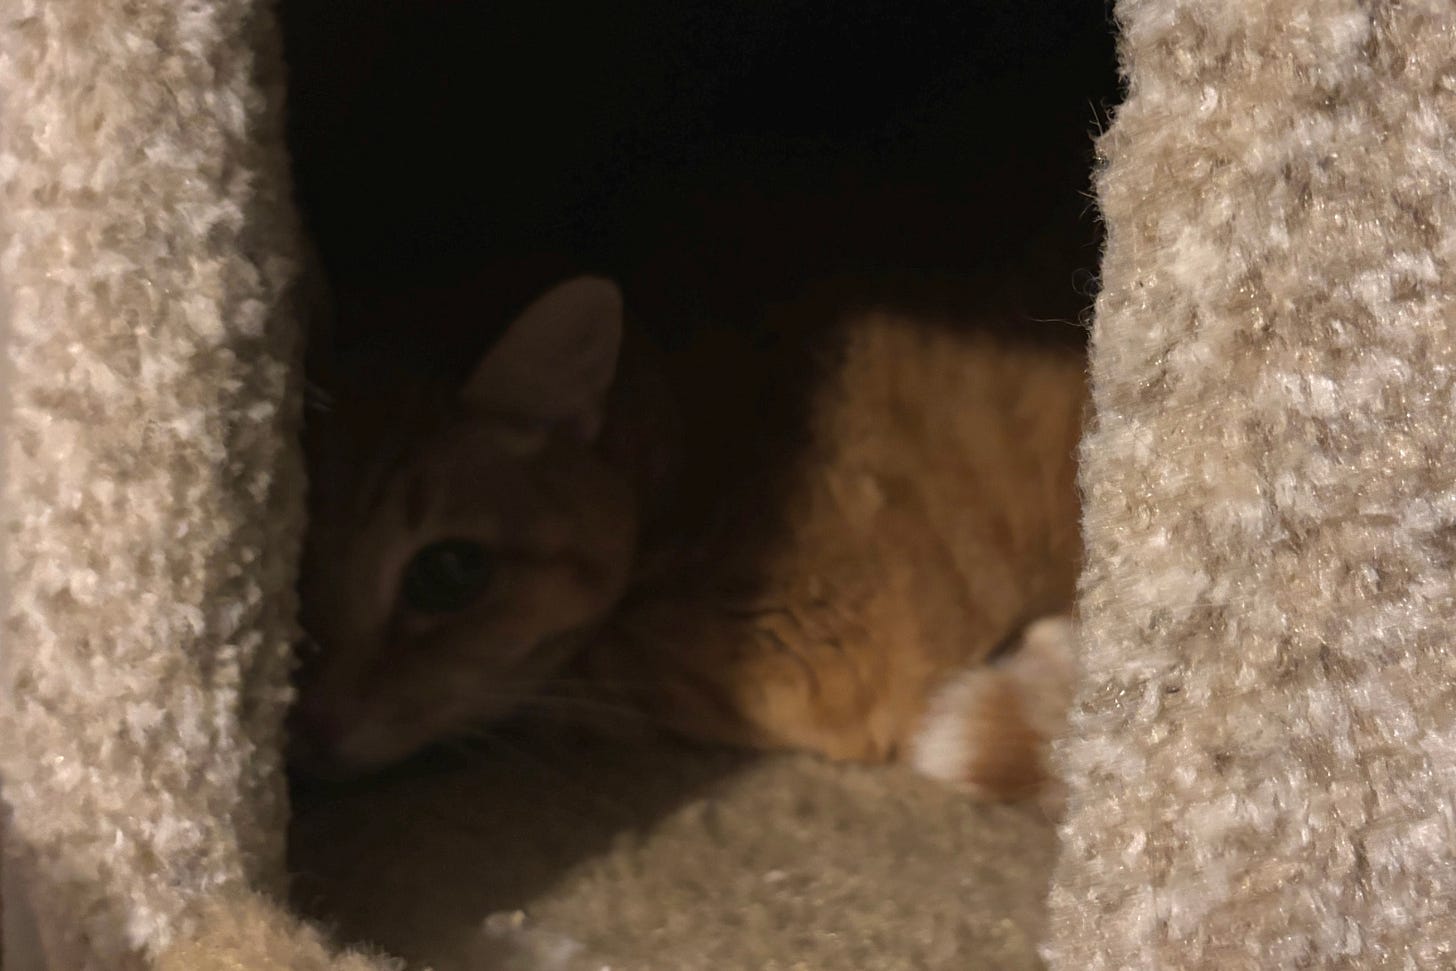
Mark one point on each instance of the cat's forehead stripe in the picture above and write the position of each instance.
(416, 501)
(375, 476)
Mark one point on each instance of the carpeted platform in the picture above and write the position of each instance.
(667, 858)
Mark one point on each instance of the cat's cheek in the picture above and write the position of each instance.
(369, 745)
(336, 736)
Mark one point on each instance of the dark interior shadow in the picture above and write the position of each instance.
(460, 833)
(731, 164)
(711, 154)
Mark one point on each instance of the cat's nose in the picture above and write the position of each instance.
(314, 735)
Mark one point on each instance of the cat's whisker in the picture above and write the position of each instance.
(586, 701)
(307, 646)
(599, 684)
(317, 398)
(464, 744)
(789, 649)
(580, 711)
(748, 611)
(490, 739)
(595, 800)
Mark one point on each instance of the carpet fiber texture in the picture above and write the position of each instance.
(152, 491)
(1264, 760)
(662, 858)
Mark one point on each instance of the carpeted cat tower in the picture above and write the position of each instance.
(1264, 755)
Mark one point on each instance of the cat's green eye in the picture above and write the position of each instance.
(445, 577)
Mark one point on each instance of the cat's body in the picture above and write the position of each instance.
(750, 545)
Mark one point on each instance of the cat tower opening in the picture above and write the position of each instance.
(717, 161)
(1259, 763)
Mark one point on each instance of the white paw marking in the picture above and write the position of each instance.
(1043, 668)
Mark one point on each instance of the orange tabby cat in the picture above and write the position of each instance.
(863, 552)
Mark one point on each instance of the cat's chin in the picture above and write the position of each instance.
(312, 762)
(341, 754)
(313, 767)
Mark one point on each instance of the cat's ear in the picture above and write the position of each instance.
(557, 360)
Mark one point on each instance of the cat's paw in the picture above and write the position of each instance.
(988, 728)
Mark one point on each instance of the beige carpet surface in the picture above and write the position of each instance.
(661, 857)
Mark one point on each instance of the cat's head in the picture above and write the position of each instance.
(461, 545)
